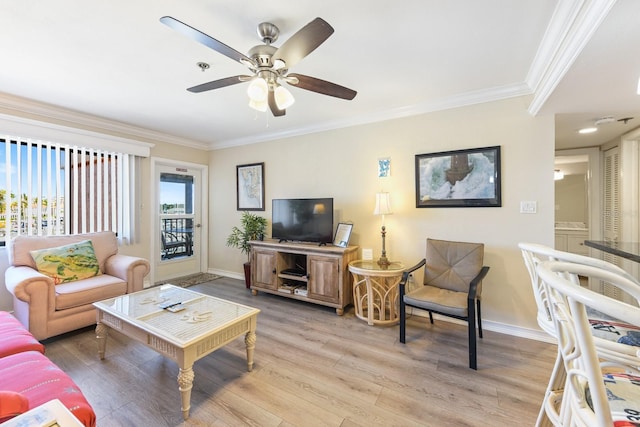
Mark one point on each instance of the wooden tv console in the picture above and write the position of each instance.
(320, 273)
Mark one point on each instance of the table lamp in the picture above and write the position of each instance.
(383, 207)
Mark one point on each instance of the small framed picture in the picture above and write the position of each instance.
(250, 187)
(343, 234)
(384, 167)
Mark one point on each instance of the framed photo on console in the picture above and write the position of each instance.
(459, 179)
(250, 187)
(343, 234)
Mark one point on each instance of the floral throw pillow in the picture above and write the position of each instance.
(67, 263)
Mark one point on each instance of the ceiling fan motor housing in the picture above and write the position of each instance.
(262, 55)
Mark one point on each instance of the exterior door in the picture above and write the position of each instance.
(177, 220)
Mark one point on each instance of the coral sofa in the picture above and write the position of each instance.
(48, 305)
(30, 379)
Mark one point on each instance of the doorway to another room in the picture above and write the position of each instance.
(180, 198)
(577, 199)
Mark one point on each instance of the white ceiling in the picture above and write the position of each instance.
(116, 61)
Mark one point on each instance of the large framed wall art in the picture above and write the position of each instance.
(459, 179)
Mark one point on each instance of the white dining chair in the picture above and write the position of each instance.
(533, 255)
(595, 394)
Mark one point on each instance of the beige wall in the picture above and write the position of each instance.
(343, 164)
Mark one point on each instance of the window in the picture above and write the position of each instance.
(50, 188)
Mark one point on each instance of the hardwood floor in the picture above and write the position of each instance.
(314, 368)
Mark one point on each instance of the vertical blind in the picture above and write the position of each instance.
(54, 189)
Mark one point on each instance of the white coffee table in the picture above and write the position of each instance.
(206, 324)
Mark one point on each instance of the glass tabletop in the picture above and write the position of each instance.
(202, 314)
(373, 266)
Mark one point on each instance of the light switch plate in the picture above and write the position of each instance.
(529, 207)
(367, 254)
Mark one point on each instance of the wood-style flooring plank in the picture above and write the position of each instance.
(314, 368)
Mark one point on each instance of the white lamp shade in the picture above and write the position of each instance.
(260, 106)
(383, 204)
(258, 90)
(283, 97)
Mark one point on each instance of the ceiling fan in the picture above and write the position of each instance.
(270, 65)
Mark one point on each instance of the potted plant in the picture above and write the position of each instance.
(252, 227)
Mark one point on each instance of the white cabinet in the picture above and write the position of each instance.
(572, 240)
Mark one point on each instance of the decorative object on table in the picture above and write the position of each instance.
(252, 227)
(453, 273)
(383, 207)
(250, 187)
(343, 234)
(384, 167)
(462, 178)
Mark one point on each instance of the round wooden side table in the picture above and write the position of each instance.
(375, 291)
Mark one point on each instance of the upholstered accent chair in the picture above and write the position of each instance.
(49, 306)
(452, 287)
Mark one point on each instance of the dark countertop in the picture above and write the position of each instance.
(628, 250)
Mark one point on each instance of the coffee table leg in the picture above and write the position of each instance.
(102, 331)
(185, 382)
(250, 341)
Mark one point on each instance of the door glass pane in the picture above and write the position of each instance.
(176, 214)
(176, 194)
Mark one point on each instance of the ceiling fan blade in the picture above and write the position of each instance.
(273, 106)
(206, 40)
(217, 84)
(305, 41)
(320, 86)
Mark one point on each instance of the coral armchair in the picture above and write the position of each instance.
(47, 307)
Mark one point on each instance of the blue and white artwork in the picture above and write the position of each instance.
(384, 167)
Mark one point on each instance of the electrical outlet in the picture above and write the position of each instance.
(367, 254)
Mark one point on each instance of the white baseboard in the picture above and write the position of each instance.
(503, 328)
(225, 273)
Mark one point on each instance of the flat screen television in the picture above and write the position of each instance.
(303, 220)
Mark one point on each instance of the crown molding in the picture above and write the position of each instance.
(456, 101)
(12, 105)
(572, 25)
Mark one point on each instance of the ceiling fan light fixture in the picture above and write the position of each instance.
(258, 90)
(283, 97)
(258, 105)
